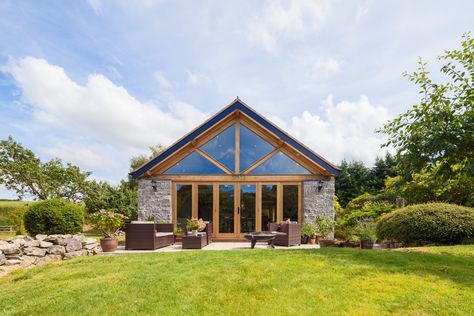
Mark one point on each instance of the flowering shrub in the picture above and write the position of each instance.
(196, 224)
(108, 223)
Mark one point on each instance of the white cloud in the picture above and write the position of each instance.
(96, 5)
(100, 111)
(162, 80)
(281, 20)
(346, 130)
(327, 65)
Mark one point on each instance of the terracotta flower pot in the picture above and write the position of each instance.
(108, 244)
(312, 241)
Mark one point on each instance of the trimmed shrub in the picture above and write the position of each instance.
(431, 222)
(54, 216)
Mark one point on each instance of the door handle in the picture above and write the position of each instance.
(238, 210)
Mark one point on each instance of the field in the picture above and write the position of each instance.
(325, 281)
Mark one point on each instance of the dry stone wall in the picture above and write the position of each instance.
(25, 251)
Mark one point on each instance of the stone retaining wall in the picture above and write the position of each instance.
(25, 251)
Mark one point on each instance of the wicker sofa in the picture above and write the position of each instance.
(290, 233)
(148, 235)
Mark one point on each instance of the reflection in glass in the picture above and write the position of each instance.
(205, 202)
(247, 208)
(290, 202)
(226, 208)
(194, 164)
(184, 203)
(280, 164)
(269, 205)
(222, 147)
(252, 147)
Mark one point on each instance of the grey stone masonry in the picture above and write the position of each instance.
(154, 198)
(315, 201)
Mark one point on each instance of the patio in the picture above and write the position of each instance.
(213, 246)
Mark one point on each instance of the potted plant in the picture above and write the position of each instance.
(308, 233)
(108, 223)
(195, 225)
(325, 226)
(178, 231)
(365, 230)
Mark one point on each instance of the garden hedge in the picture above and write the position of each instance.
(431, 222)
(54, 216)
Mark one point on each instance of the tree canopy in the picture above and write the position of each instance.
(24, 173)
(438, 132)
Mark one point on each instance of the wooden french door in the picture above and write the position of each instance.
(237, 209)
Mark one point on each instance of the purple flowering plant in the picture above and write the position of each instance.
(108, 223)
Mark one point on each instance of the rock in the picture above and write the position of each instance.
(79, 237)
(29, 260)
(41, 237)
(97, 250)
(32, 243)
(9, 249)
(88, 241)
(28, 238)
(52, 238)
(73, 245)
(19, 242)
(89, 246)
(57, 250)
(48, 258)
(12, 262)
(75, 254)
(45, 244)
(62, 241)
(3, 259)
(16, 257)
(3, 242)
(19, 237)
(34, 251)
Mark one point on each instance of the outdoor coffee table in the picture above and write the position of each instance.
(261, 236)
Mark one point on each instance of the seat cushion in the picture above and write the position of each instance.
(142, 222)
(163, 234)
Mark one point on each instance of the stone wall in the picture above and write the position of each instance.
(154, 198)
(25, 252)
(317, 202)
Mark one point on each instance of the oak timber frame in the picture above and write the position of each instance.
(237, 176)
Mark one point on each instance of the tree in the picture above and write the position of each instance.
(438, 132)
(24, 173)
(384, 167)
(139, 160)
(355, 179)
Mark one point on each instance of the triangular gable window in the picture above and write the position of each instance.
(280, 164)
(222, 147)
(252, 147)
(194, 164)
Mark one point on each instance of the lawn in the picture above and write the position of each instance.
(246, 282)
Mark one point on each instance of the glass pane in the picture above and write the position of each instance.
(194, 164)
(269, 205)
(280, 164)
(290, 202)
(205, 202)
(252, 147)
(222, 147)
(183, 203)
(226, 208)
(247, 208)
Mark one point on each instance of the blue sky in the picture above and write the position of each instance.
(96, 82)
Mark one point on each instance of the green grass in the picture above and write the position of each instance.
(329, 281)
(465, 250)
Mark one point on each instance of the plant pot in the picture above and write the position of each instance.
(366, 244)
(304, 239)
(326, 243)
(108, 244)
(194, 232)
(312, 241)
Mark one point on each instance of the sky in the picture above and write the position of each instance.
(97, 82)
